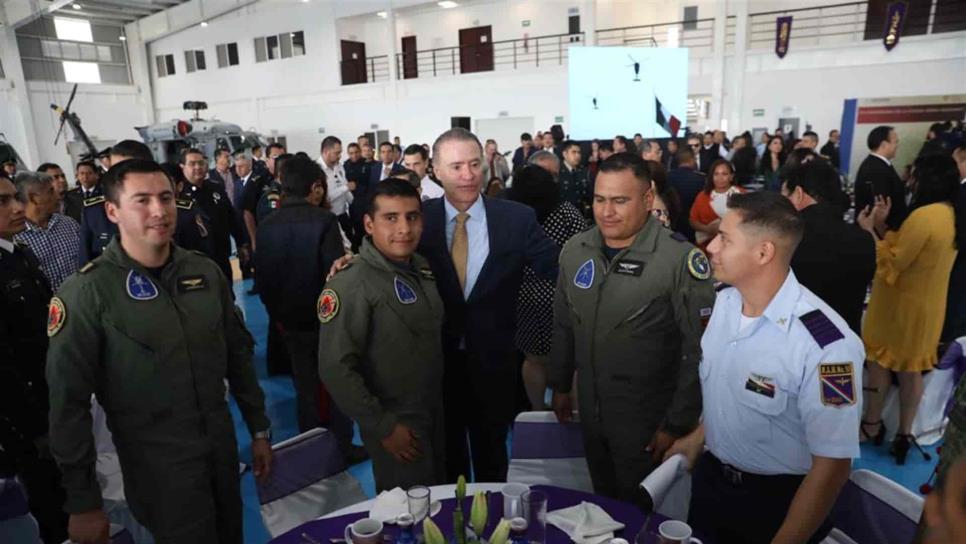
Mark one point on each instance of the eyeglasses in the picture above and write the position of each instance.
(695, 145)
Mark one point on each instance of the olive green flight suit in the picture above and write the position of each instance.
(632, 328)
(156, 356)
(381, 358)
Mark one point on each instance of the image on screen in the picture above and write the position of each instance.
(625, 90)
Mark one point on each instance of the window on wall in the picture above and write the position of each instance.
(690, 17)
(194, 60)
(281, 46)
(81, 72)
(227, 54)
(78, 30)
(165, 65)
(74, 50)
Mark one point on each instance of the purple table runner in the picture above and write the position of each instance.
(557, 497)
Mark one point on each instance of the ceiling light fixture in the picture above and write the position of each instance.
(76, 6)
(123, 38)
(447, 4)
(382, 14)
(204, 24)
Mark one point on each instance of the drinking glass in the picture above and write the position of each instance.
(419, 498)
(535, 512)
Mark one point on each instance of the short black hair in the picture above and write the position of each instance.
(222, 151)
(113, 181)
(256, 147)
(190, 151)
(397, 148)
(818, 179)
(351, 145)
(620, 162)
(390, 187)
(810, 133)
(878, 135)
(416, 149)
(175, 173)
(833, 131)
(385, 144)
(299, 174)
(606, 145)
(410, 176)
(621, 139)
(568, 144)
(769, 211)
(132, 149)
(301, 154)
(47, 166)
(329, 142)
(636, 134)
(526, 137)
(273, 145)
(89, 164)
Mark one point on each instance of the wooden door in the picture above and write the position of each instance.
(410, 65)
(476, 49)
(353, 62)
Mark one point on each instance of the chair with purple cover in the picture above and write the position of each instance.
(17, 524)
(872, 509)
(954, 359)
(548, 452)
(308, 480)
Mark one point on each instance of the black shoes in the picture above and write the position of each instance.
(902, 444)
(879, 436)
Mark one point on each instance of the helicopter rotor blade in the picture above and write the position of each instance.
(71, 99)
(60, 130)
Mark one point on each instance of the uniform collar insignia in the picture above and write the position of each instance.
(585, 275)
(139, 287)
(404, 292)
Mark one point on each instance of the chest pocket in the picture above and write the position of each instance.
(761, 394)
(130, 368)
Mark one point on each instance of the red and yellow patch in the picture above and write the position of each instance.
(56, 315)
(327, 306)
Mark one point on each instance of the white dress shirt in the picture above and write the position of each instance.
(338, 187)
(430, 189)
(478, 238)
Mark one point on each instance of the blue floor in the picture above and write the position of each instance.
(280, 404)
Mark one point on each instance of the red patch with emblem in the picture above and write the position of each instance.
(327, 305)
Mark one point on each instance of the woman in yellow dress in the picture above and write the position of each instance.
(908, 303)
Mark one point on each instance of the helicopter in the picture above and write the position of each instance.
(67, 117)
(169, 139)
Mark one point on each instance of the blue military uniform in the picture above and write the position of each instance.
(777, 390)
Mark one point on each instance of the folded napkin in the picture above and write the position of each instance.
(658, 483)
(388, 505)
(585, 523)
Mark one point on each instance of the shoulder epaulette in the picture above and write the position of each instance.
(185, 203)
(679, 237)
(821, 328)
(273, 196)
(93, 200)
(87, 267)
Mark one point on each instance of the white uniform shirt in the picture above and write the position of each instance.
(784, 388)
(338, 187)
(429, 189)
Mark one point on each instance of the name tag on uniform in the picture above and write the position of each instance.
(427, 274)
(186, 284)
(838, 384)
(762, 385)
(629, 268)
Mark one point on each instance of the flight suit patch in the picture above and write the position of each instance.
(762, 385)
(328, 305)
(404, 293)
(140, 287)
(705, 314)
(56, 315)
(838, 384)
(585, 275)
(629, 268)
(698, 264)
(186, 284)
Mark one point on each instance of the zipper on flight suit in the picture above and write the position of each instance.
(593, 337)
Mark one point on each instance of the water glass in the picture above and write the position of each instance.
(535, 512)
(419, 498)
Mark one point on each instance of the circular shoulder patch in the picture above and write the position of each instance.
(56, 315)
(698, 264)
(327, 306)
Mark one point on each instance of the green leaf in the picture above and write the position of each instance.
(460, 490)
(431, 532)
(502, 532)
(479, 513)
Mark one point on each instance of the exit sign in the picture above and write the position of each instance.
(526, 22)
(758, 113)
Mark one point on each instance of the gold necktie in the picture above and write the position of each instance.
(460, 249)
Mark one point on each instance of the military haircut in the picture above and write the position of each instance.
(526, 137)
(89, 164)
(410, 176)
(386, 144)
(685, 155)
(810, 134)
(47, 166)
(769, 212)
(606, 145)
(391, 188)
(567, 144)
(299, 174)
(132, 149)
(878, 135)
(329, 142)
(457, 134)
(28, 183)
(273, 145)
(818, 179)
(221, 151)
(416, 149)
(351, 145)
(626, 161)
(113, 181)
(189, 151)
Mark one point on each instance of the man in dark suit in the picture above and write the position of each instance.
(709, 151)
(955, 325)
(835, 259)
(477, 248)
(522, 154)
(88, 187)
(385, 168)
(223, 174)
(688, 182)
(831, 149)
(877, 177)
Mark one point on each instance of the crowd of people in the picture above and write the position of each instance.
(707, 296)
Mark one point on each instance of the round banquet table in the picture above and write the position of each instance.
(333, 525)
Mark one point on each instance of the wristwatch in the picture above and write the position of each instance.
(263, 435)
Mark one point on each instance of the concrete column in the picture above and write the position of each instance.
(588, 21)
(734, 108)
(140, 65)
(718, 67)
(20, 132)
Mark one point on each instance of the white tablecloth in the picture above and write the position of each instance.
(436, 492)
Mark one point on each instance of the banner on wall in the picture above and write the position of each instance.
(911, 117)
(783, 33)
(895, 18)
